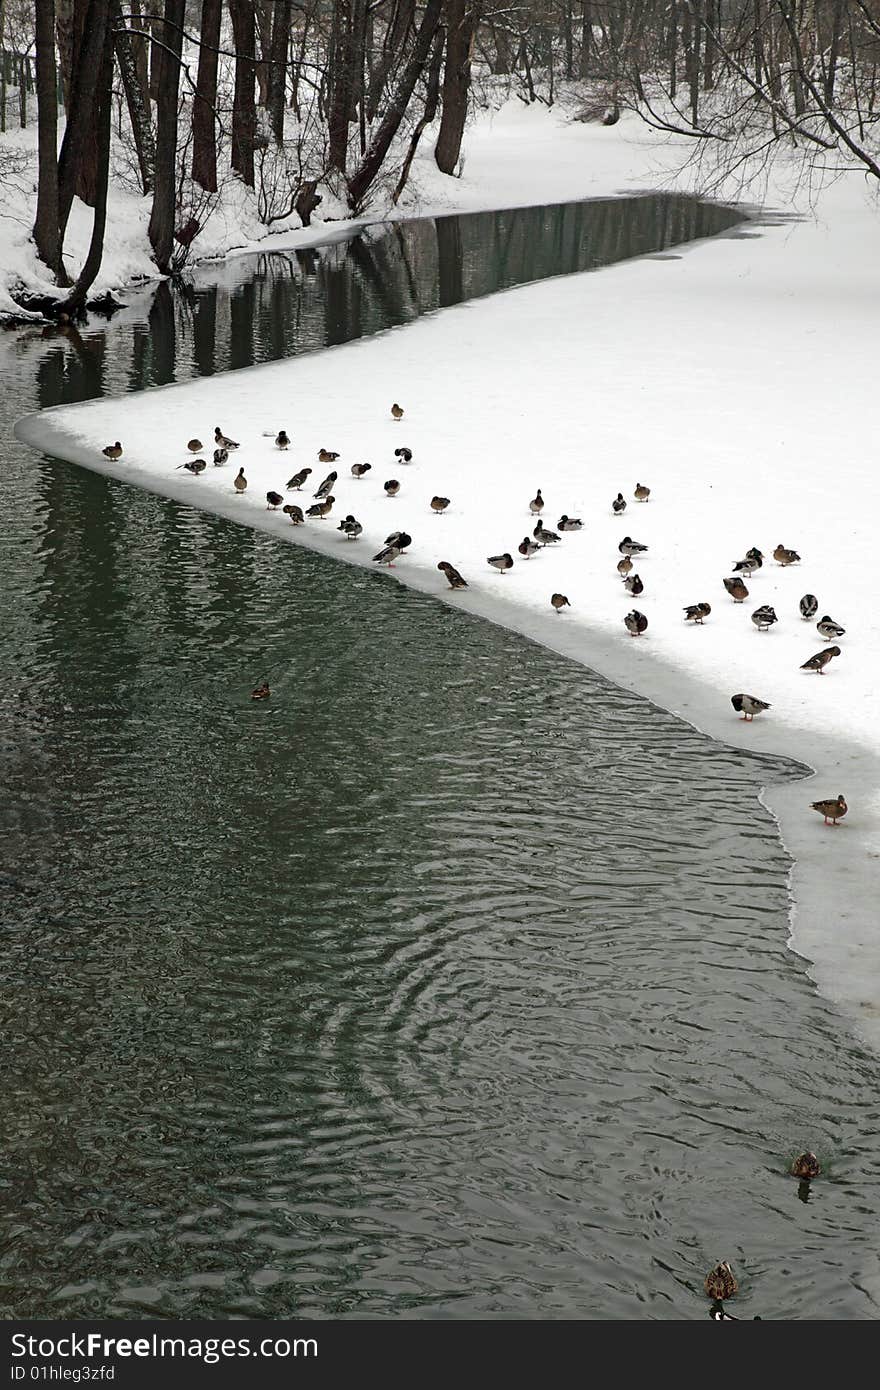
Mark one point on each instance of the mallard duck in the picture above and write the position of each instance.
(720, 1282)
(195, 446)
(746, 566)
(783, 556)
(295, 483)
(809, 606)
(569, 523)
(261, 691)
(559, 601)
(736, 588)
(820, 660)
(239, 482)
(536, 506)
(634, 585)
(502, 563)
(439, 504)
(114, 451)
(642, 493)
(624, 566)
(195, 466)
(636, 623)
(528, 548)
(352, 528)
(295, 513)
(455, 579)
(828, 628)
(387, 555)
(397, 411)
(220, 457)
(757, 555)
(392, 487)
(359, 469)
(327, 456)
(696, 612)
(321, 509)
(400, 539)
(327, 485)
(806, 1165)
(282, 440)
(223, 441)
(404, 454)
(748, 705)
(832, 811)
(545, 537)
(630, 547)
(764, 617)
(273, 501)
(618, 506)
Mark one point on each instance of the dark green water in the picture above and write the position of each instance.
(451, 982)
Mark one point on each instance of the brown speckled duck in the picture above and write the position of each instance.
(455, 579)
(805, 1166)
(820, 660)
(642, 493)
(439, 505)
(397, 411)
(783, 556)
(295, 513)
(736, 588)
(114, 451)
(559, 601)
(832, 811)
(261, 691)
(720, 1282)
(697, 612)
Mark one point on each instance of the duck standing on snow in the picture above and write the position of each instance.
(748, 705)
(295, 513)
(352, 528)
(439, 505)
(321, 509)
(828, 628)
(261, 691)
(809, 606)
(820, 660)
(634, 585)
(624, 566)
(636, 623)
(392, 487)
(327, 456)
(220, 457)
(359, 469)
(528, 548)
(282, 440)
(832, 811)
(114, 451)
(195, 466)
(736, 588)
(630, 547)
(642, 493)
(783, 556)
(720, 1282)
(455, 579)
(559, 601)
(502, 563)
(239, 482)
(296, 482)
(764, 617)
(569, 523)
(223, 441)
(195, 446)
(400, 539)
(387, 555)
(806, 1165)
(404, 454)
(536, 506)
(746, 566)
(545, 537)
(618, 506)
(696, 612)
(327, 485)
(273, 501)
(397, 411)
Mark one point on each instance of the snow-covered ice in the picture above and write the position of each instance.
(737, 379)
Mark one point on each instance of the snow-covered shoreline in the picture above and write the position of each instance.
(727, 378)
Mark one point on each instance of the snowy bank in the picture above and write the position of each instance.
(735, 380)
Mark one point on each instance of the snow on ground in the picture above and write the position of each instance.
(736, 379)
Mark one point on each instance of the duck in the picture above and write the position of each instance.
(351, 526)
(295, 513)
(239, 482)
(528, 548)
(220, 457)
(809, 606)
(569, 523)
(642, 493)
(720, 1282)
(327, 485)
(820, 660)
(321, 509)
(404, 454)
(195, 466)
(746, 566)
(400, 539)
(502, 563)
(223, 441)
(282, 440)
(546, 537)
(195, 446)
(832, 811)
(455, 579)
(114, 451)
(624, 566)
(636, 623)
(764, 617)
(295, 483)
(387, 555)
(696, 612)
(392, 487)
(397, 411)
(559, 601)
(783, 556)
(806, 1165)
(536, 506)
(359, 469)
(439, 505)
(634, 585)
(828, 628)
(757, 555)
(736, 588)
(327, 456)
(749, 705)
(618, 506)
(261, 691)
(630, 547)
(273, 501)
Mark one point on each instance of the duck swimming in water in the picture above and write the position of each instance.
(261, 691)
(806, 1165)
(720, 1282)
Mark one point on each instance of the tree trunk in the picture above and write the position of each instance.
(204, 128)
(263, 18)
(341, 81)
(46, 233)
(161, 229)
(461, 21)
(244, 112)
(103, 109)
(278, 67)
(432, 100)
(138, 112)
(834, 50)
(85, 76)
(64, 37)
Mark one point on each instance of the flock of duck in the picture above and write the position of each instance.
(832, 809)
